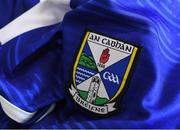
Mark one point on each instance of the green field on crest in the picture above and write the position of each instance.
(87, 61)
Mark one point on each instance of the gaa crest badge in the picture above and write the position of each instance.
(100, 72)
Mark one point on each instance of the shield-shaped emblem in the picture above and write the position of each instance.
(101, 71)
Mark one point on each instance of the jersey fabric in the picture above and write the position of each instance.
(32, 79)
(10, 10)
(151, 100)
(17, 98)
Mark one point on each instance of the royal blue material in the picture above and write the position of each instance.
(11, 9)
(18, 49)
(153, 95)
(152, 99)
(36, 84)
(75, 3)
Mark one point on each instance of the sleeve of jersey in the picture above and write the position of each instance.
(29, 32)
(27, 93)
(13, 8)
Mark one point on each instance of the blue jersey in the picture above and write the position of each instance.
(10, 10)
(105, 64)
(17, 100)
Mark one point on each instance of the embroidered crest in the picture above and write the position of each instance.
(100, 72)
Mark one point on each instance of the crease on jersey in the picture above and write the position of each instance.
(51, 108)
(20, 115)
(14, 112)
(46, 13)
